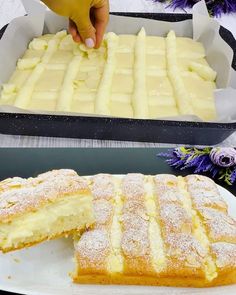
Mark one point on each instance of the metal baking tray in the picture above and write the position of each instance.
(201, 133)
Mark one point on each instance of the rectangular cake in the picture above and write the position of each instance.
(157, 230)
(128, 76)
(51, 205)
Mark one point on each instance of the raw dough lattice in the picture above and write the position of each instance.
(129, 76)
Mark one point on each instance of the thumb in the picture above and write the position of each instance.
(85, 28)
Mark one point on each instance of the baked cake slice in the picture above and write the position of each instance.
(157, 230)
(32, 210)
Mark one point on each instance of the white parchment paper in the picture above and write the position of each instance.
(202, 28)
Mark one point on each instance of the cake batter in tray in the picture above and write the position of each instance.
(128, 76)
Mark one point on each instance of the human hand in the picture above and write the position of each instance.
(87, 18)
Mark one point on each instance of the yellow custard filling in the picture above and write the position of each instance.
(52, 219)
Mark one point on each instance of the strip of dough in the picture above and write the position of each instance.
(24, 96)
(67, 90)
(104, 89)
(181, 95)
(139, 99)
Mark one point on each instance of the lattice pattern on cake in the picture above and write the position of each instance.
(129, 76)
(154, 227)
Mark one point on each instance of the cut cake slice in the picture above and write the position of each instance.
(32, 210)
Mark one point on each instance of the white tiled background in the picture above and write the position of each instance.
(10, 9)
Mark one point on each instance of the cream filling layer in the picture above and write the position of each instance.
(51, 219)
(156, 241)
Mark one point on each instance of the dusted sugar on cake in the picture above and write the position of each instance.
(157, 230)
(51, 205)
(128, 76)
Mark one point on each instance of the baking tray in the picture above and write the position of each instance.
(201, 133)
(30, 162)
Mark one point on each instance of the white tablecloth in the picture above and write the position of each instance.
(10, 9)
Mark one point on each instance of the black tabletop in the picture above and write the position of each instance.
(30, 162)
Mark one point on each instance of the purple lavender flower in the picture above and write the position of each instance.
(177, 152)
(204, 164)
(215, 7)
(233, 176)
(214, 170)
(224, 157)
(219, 162)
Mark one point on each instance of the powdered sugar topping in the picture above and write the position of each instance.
(175, 219)
(185, 248)
(103, 211)
(36, 191)
(103, 187)
(220, 226)
(93, 245)
(133, 186)
(225, 254)
(135, 243)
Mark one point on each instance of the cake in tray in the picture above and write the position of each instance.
(32, 210)
(129, 76)
(157, 230)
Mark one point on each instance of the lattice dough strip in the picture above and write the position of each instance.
(24, 96)
(139, 98)
(203, 71)
(67, 90)
(182, 98)
(141, 58)
(104, 89)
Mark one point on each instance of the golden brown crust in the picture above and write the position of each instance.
(220, 226)
(135, 243)
(194, 252)
(225, 257)
(166, 188)
(103, 211)
(102, 187)
(94, 247)
(92, 252)
(221, 280)
(184, 254)
(174, 219)
(19, 196)
(204, 193)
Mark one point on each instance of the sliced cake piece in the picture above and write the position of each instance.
(36, 209)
